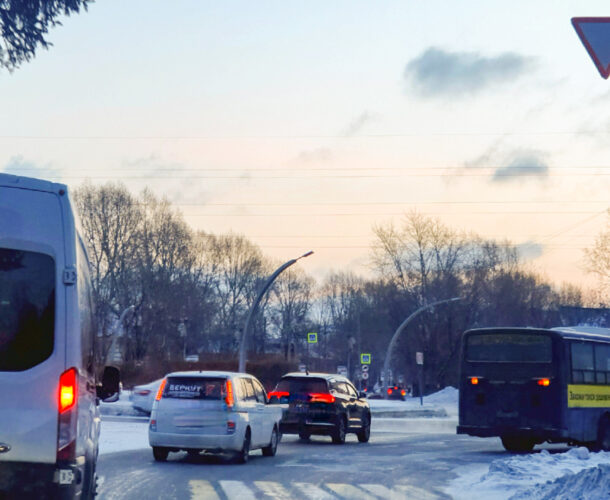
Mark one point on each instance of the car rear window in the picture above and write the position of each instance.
(27, 308)
(509, 347)
(211, 388)
(302, 385)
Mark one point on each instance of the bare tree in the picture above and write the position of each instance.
(597, 260)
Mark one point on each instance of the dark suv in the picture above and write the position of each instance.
(322, 404)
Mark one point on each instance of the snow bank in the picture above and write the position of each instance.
(521, 477)
(589, 484)
(446, 396)
(123, 436)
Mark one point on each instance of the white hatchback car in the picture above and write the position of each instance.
(213, 411)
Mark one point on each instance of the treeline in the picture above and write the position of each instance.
(182, 292)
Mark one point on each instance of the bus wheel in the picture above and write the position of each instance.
(603, 435)
(517, 444)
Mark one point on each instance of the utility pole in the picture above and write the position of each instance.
(244, 337)
(403, 325)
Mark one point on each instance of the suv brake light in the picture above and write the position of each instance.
(279, 394)
(320, 397)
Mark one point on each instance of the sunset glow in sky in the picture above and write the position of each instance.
(303, 124)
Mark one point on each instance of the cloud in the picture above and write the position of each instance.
(530, 250)
(319, 155)
(522, 164)
(358, 123)
(17, 165)
(507, 166)
(440, 73)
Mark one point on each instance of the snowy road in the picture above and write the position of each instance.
(400, 461)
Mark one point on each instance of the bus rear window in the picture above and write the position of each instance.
(195, 388)
(27, 309)
(509, 348)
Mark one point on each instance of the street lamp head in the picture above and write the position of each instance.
(306, 254)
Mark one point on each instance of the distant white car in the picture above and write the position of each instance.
(143, 396)
(214, 412)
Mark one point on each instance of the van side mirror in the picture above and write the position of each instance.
(109, 389)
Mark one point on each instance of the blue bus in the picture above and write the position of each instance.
(529, 386)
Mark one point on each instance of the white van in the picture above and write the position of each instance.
(213, 411)
(49, 417)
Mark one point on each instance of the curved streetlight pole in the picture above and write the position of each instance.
(244, 336)
(397, 333)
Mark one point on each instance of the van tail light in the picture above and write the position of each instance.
(475, 380)
(544, 382)
(229, 399)
(161, 389)
(321, 397)
(66, 409)
(230, 427)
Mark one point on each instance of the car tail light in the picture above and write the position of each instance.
(279, 394)
(321, 397)
(389, 390)
(66, 408)
(229, 397)
(230, 427)
(544, 382)
(403, 393)
(474, 380)
(161, 388)
(153, 425)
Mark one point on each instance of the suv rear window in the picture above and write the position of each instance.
(195, 388)
(27, 308)
(302, 385)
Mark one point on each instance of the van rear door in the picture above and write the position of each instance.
(193, 405)
(32, 347)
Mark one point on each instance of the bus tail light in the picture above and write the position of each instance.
(544, 382)
(66, 408)
(229, 397)
(161, 388)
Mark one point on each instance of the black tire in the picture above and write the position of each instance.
(160, 453)
(603, 435)
(338, 435)
(304, 436)
(244, 453)
(518, 444)
(269, 451)
(364, 433)
(90, 482)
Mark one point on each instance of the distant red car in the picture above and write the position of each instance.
(397, 392)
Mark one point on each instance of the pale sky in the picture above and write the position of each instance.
(303, 124)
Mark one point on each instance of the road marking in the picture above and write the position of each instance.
(348, 491)
(381, 491)
(202, 490)
(274, 490)
(237, 490)
(313, 492)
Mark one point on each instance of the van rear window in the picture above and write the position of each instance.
(27, 308)
(195, 388)
(509, 348)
